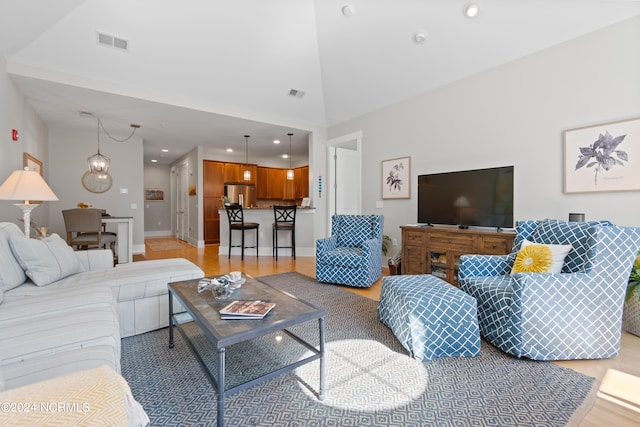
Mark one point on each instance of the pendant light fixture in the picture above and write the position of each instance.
(99, 163)
(290, 173)
(247, 172)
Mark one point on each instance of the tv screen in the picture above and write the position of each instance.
(480, 197)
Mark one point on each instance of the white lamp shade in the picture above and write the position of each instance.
(26, 185)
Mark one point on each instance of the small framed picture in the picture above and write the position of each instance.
(602, 158)
(31, 163)
(396, 178)
(154, 194)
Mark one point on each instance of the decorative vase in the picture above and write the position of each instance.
(631, 316)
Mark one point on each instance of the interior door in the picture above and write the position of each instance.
(182, 202)
(347, 195)
(344, 188)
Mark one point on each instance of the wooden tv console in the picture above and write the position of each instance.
(436, 250)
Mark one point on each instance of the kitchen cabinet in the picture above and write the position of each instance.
(276, 183)
(289, 187)
(262, 183)
(301, 182)
(212, 192)
(272, 184)
(234, 173)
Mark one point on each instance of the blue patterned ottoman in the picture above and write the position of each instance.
(430, 317)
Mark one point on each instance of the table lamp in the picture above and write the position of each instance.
(26, 185)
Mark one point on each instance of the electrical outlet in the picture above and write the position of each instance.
(394, 242)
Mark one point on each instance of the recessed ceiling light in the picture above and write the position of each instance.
(164, 150)
(154, 161)
(276, 141)
(471, 10)
(347, 10)
(229, 150)
(285, 156)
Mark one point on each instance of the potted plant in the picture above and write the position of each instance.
(631, 318)
(386, 241)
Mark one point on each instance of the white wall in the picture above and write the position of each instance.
(157, 215)
(15, 113)
(514, 114)
(69, 151)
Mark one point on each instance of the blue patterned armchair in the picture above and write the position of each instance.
(576, 314)
(353, 254)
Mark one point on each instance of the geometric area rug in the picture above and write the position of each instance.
(370, 379)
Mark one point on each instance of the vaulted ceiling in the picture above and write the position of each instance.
(206, 72)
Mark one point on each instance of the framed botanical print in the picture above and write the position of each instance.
(396, 178)
(603, 157)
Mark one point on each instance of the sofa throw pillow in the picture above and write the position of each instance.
(540, 258)
(11, 273)
(45, 260)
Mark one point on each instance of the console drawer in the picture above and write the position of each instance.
(457, 242)
(493, 246)
(414, 237)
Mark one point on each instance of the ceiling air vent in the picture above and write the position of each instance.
(113, 41)
(296, 93)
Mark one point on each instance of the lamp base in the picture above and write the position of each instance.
(26, 216)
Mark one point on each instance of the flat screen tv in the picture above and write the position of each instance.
(480, 197)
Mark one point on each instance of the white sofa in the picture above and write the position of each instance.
(63, 311)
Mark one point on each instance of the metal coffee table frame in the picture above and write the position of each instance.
(203, 310)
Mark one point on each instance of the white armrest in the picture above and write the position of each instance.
(95, 259)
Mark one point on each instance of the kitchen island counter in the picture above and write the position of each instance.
(305, 242)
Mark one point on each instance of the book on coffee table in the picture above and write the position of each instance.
(246, 310)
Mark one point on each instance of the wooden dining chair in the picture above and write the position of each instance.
(85, 229)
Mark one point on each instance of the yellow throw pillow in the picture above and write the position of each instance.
(540, 258)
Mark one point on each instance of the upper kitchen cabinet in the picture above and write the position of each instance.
(234, 172)
(213, 179)
(276, 183)
(262, 183)
(301, 182)
(272, 184)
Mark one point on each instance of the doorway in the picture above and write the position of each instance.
(182, 202)
(345, 171)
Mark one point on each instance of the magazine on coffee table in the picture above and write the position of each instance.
(246, 310)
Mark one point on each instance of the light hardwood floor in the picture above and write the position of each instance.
(603, 412)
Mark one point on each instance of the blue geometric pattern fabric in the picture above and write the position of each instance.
(353, 254)
(576, 314)
(430, 317)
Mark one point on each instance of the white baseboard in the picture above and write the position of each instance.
(159, 233)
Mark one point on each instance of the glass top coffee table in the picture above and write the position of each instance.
(202, 309)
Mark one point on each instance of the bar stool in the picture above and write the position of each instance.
(285, 220)
(236, 222)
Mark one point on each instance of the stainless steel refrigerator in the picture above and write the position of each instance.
(244, 194)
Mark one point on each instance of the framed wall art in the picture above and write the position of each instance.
(154, 194)
(32, 163)
(602, 157)
(396, 178)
